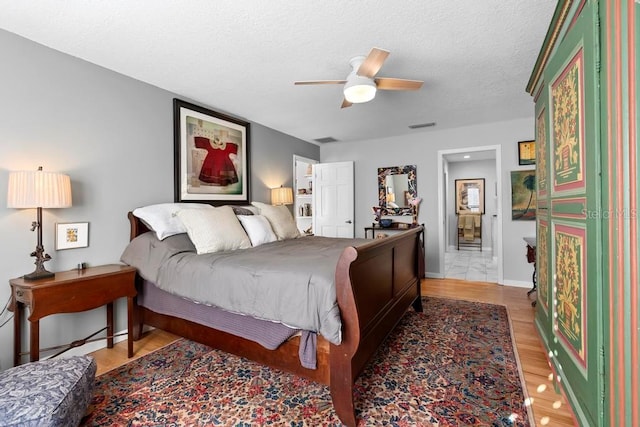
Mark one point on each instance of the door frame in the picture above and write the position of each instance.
(300, 223)
(442, 207)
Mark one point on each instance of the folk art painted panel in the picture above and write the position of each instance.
(568, 126)
(570, 285)
(542, 252)
(541, 160)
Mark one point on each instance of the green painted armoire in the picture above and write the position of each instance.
(584, 85)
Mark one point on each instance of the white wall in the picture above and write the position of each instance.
(114, 136)
(421, 149)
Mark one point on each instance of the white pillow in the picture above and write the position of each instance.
(214, 230)
(258, 229)
(280, 219)
(162, 219)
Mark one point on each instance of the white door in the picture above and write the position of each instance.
(333, 199)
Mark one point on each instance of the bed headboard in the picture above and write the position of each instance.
(137, 226)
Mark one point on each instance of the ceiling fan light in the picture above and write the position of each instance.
(359, 89)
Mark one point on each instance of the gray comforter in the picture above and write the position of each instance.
(291, 281)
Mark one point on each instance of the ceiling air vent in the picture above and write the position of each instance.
(325, 139)
(422, 125)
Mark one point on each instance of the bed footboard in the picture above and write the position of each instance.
(375, 284)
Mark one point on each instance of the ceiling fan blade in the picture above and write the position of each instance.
(320, 82)
(373, 62)
(387, 83)
(345, 104)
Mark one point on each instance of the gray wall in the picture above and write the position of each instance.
(114, 136)
(421, 149)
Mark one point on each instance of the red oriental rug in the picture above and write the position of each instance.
(453, 365)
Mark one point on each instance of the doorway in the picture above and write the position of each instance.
(483, 263)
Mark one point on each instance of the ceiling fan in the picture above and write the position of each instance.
(361, 84)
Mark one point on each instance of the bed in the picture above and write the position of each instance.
(375, 283)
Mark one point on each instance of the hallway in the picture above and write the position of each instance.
(470, 265)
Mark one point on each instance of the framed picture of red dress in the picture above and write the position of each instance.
(211, 156)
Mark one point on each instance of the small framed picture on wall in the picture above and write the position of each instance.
(71, 235)
(526, 153)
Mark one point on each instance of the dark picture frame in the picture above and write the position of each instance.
(399, 205)
(526, 153)
(470, 196)
(211, 156)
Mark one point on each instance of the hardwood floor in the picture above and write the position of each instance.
(110, 358)
(549, 407)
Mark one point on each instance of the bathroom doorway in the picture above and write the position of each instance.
(482, 262)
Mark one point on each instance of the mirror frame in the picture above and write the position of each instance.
(461, 185)
(410, 171)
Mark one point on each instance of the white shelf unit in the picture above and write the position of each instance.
(303, 193)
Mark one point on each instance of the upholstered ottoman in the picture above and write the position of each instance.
(54, 392)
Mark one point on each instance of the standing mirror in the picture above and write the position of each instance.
(396, 186)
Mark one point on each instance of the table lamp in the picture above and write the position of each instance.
(38, 189)
(282, 196)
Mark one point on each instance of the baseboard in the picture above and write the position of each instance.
(429, 275)
(96, 345)
(518, 283)
(467, 249)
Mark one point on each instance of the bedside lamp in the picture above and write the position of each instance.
(38, 189)
(282, 196)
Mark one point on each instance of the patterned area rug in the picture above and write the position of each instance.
(452, 365)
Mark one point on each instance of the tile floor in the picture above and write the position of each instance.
(470, 264)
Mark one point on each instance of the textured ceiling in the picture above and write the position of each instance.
(242, 57)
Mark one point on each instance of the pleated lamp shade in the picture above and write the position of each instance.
(38, 189)
(282, 196)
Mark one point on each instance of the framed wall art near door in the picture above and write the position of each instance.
(526, 153)
(211, 156)
(470, 196)
(523, 195)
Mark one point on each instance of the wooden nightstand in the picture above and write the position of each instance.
(71, 292)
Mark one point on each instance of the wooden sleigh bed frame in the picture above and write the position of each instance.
(375, 284)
